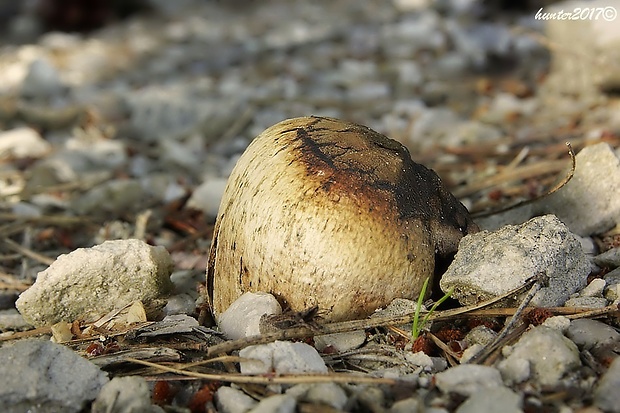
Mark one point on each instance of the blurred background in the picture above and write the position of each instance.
(115, 111)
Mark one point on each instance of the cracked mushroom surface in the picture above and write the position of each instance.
(319, 211)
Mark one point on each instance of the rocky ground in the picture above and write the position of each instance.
(116, 144)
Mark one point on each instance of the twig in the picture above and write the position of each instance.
(479, 358)
(28, 252)
(293, 379)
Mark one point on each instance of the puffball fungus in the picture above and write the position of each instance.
(319, 211)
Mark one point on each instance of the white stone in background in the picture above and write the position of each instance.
(280, 403)
(242, 318)
(281, 357)
(586, 51)
(489, 264)
(589, 204)
(42, 80)
(468, 379)
(180, 304)
(340, 342)
(231, 400)
(480, 335)
(588, 334)
(23, 143)
(90, 282)
(41, 376)
(606, 394)
(409, 405)
(532, 350)
(489, 400)
(208, 195)
(24, 209)
(129, 394)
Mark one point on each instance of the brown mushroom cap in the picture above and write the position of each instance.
(323, 212)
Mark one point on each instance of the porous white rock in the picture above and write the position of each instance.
(340, 341)
(90, 282)
(532, 350)
(242, 318)
(489, 264)
(23, 143)
(281, 357)
(468, 379)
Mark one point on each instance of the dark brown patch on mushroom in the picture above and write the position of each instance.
(355, 161)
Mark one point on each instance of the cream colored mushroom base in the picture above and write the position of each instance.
(323, 212)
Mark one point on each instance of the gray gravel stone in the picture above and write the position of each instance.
(90, 282)
(606, 394)
(610, 258)
(125, 395)
(542, 354)
(340, 341)
(330, 394)
(43, 377)
(587, 333)
(586, 302)
(41, 81)
(468, 379)
(490, 264)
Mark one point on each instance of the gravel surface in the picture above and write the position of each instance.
(129, 130)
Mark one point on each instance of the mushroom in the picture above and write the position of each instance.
(319, 211)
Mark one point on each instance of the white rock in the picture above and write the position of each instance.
(594, 289)
(488, 401)
(281, 357)
(329, 394)
(559, 323)
(606, 394)
(129, 394)
(409, 405)
(468, 379)
(490, 264)
(340, 341)
(90, 282)
(420, 358)
(23, 143)
(50, 378)
(242, 318)
(207, 196)
(546, 367)
(480, 335)
(230, 400)
(280, 403)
